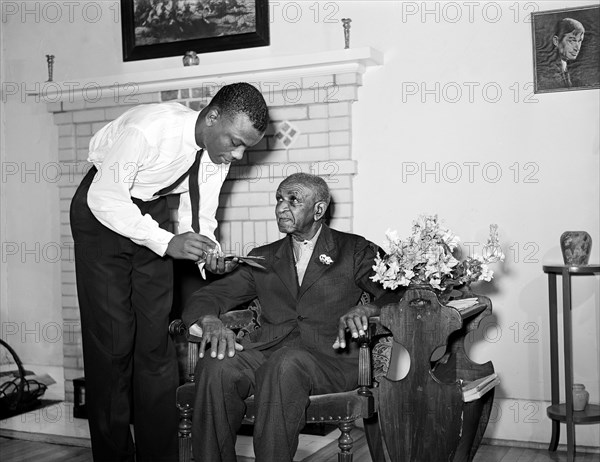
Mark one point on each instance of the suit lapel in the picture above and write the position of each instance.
(325, 246)
(283, 266)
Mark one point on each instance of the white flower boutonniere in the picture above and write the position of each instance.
(325, 259)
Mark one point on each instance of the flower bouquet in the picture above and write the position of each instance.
(427, 257)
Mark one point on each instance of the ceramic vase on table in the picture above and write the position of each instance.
(580, 397)
(576, 247)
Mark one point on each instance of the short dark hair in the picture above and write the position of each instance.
(566, 26)
(243, 98)
(316, 184)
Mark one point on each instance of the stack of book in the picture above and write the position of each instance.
(477, 388)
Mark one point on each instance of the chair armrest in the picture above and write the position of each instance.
(365, 375)
(177, 327)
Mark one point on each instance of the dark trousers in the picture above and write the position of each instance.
(281, 380)
(125, 295)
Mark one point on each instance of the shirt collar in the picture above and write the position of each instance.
(308, 243)
(189, 133)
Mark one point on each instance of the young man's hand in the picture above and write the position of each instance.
(190, 246)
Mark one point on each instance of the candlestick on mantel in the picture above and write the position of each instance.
(346, 22)
(50, 60)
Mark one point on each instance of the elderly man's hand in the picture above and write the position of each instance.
(221, 339)
(356, 321)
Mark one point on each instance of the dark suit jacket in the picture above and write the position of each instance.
(327, 292)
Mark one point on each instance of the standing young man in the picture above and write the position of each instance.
(124, 250)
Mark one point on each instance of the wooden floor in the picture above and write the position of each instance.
(12, 450)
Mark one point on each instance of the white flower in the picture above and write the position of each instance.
(325, 259)
(426, 257)
(486, 273)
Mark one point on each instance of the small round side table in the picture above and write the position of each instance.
(564, 412)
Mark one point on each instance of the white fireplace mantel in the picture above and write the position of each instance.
(276, 67)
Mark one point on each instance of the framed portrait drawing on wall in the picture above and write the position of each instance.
(566, 49)
(162, 28)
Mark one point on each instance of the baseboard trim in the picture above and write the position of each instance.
(46, 438)
(537, 445)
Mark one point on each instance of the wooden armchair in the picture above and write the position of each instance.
(420, 417)
(342, 409)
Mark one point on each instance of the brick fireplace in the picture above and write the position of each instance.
(310, 100)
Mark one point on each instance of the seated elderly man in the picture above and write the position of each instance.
(313, 278)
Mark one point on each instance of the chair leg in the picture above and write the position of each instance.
(345, 441)
(185, 433)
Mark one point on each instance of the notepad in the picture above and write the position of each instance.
(249, 260)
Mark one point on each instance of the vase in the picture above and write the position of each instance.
(580, 397)
(576, 247)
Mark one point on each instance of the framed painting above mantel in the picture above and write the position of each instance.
(163, 28)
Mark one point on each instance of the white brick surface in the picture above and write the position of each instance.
(314, 81)
(318, 111)
(65, 155)
(341, 195)
(342, 224)
(237, 236)
(318, 139)
(55, 106)
(349, 78)
(339, 123)
(83, 141)
(308, 155)
(234, 187)
(248, 199)
(339, 109)
(61, 118)
(343, 210)
(66, 130)
(278, 114)
(265, 184)
(340, 152)
(248, 231)
(98, 125)
(337, 138)
(83, 129)
(262, 213)
(260, 232)
(334, 168)
(312, 125)
(75, 105)
(268, 156)
(233, 213)
(90, 115)
(114, 112)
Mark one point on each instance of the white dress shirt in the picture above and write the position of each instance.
(141, 152)
(303, 250)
